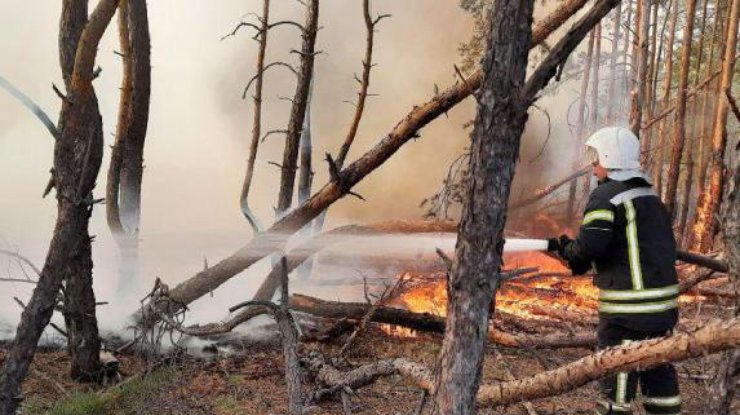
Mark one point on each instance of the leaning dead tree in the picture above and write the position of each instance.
(77, 158)
(267, 242)
(123, 187)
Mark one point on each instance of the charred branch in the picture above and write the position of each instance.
(260, 74)
(31, 105)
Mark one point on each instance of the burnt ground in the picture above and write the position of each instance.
(250, 381)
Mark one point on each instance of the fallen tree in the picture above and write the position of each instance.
(342, 181)
(715, 336)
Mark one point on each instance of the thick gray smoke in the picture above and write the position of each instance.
(199, 129)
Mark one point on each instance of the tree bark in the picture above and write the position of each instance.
(367, 65)
(272, 239)
(667, 82)
(125, 173)
(77, 159)
(707, 211)
(581, 123)
(298, 109)
(723, 389)
(637, 94)
(256, 120)
(614, 73)
(696, 140)
(494, 149)
(679, 136)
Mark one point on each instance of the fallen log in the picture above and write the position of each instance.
(713, 337)
(276, 236)
(430, 323)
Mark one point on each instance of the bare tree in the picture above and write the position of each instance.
(614, 73)
(125, 173)
(298, 109)
(256, 118)
(77, 158)
(707, 211)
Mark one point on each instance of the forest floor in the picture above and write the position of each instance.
(251, 381)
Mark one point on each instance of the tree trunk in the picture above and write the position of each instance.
(77, 158)
(298, 109)
(123, 188)
(705, 125)
(706, 212)
(367, 65)
(723, 389)
(272, 239)
(695, 139)
(650, 87)
(640, 58)
(614, 73)
(581, 123)
(679, 135)
(494, 150)
(667, 80)
(256, 120)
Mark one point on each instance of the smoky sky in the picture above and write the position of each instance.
(199, 127)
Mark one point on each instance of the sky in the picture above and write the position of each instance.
(196, 147)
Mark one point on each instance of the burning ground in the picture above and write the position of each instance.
(243, 372)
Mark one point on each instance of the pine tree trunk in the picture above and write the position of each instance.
(640, 59)
(495, 141)
(256, 119)
(125, 173)
(614, 73)
(77, 157)
(581, 123)
(663, 129)
(695, 139)
(298, 109)
(705, 223)
(679, 135)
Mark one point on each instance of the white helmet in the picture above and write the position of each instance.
(616, 148)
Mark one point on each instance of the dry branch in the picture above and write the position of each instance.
(545, 191)
(274, 238)
(713, 337)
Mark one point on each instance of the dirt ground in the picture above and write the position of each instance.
(250, 381)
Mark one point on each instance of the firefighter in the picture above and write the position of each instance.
(626, 237)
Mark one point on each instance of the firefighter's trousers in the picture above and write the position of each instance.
(658, 386)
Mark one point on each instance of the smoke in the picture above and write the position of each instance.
(199, 128)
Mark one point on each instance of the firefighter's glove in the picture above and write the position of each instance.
(563, 242)
(553, 245)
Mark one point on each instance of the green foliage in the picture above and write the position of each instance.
(114, 400)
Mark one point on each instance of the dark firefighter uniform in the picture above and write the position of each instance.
(626, 237)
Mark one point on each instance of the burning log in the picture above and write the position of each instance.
(430, 323)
